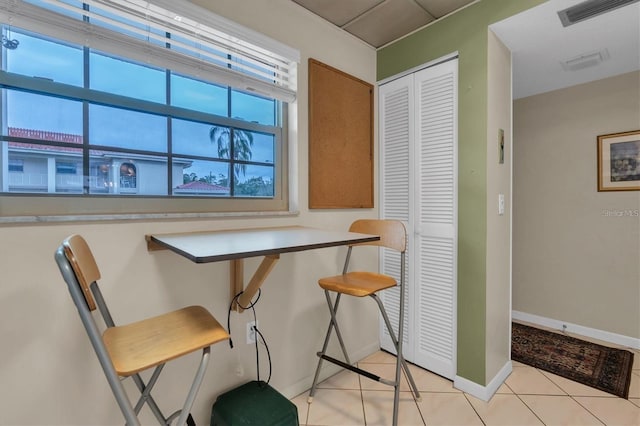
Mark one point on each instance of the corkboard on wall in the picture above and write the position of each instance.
(340, 139)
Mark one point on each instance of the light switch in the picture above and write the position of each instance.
(501, 204)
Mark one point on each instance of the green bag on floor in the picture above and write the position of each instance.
(254, 403)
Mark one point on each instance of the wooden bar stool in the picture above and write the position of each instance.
(359, 284)
(126, 350)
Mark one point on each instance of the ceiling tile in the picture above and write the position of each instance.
(338, 12)
(387, 22)
(439, 8)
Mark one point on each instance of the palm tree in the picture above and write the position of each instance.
(242, 144)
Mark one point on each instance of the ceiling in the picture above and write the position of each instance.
(538, 41)
(379, 22)
(541, 46)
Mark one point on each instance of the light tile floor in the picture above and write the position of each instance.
(528, 397)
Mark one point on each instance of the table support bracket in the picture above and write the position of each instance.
(237, 280)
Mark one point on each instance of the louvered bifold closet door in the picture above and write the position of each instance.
(435, 235)
(396, 134)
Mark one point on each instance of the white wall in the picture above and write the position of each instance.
(48, 372)
(498, 300)
(573, 262)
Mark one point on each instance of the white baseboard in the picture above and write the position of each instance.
(328, 370)
(483, 392)
(605, 336)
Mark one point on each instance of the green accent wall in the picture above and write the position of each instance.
(464, 32)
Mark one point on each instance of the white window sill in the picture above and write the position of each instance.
(138, 216)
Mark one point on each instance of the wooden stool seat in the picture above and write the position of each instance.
(357, 284)
(144, 344)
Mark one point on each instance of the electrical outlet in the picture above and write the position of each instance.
(251, 332)
(239, 370)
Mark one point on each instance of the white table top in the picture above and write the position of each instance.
(214, 246)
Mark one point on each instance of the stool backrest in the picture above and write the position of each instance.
(84, 265)
(393, 233)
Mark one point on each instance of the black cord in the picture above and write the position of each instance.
(229, 318)
(235, 300)
(255, 329)
(255, 340)
(258, 333)
(264, 342)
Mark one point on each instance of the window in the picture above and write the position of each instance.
(16, 165)
(128, 174)
(66, 168)
(174, 125)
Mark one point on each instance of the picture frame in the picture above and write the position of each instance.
(619, 161)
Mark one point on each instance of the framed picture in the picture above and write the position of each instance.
(619, 161)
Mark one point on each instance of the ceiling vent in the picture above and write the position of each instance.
(589, 9)
(586, 60)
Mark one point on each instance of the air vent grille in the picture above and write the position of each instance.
(590, 9)
(586, 60)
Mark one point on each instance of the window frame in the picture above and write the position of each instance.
(96, 205)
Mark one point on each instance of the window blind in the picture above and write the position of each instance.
(179, 36)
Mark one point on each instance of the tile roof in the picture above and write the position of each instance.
(202, 186)
(43, 135)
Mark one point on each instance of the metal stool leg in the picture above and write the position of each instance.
(395, 342)
(324, 349)
(182, 414)
(197, 381)
(333, 308)
(145, 394)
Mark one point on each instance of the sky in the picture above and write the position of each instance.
(124, 128)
